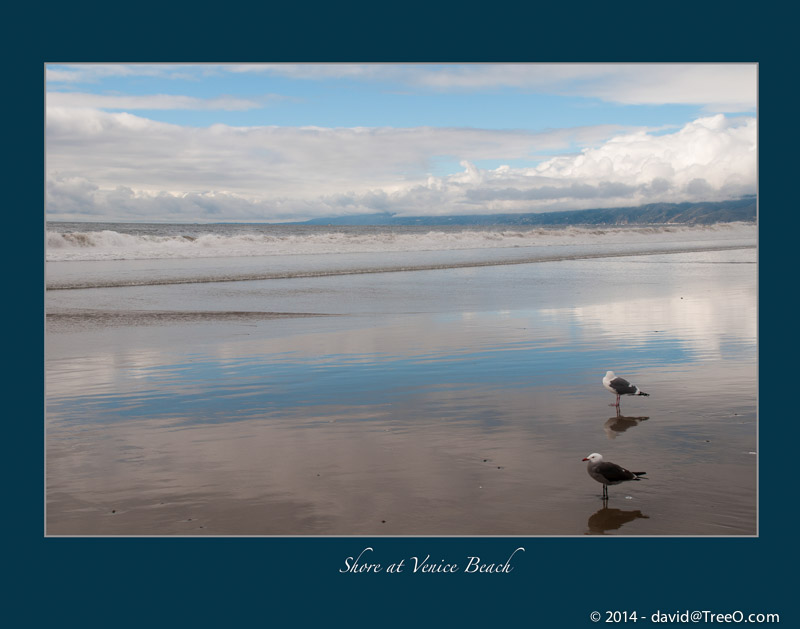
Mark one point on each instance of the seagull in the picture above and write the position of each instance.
(608, 473)
(619, 386)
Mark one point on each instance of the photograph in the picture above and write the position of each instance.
(420, 315)
(400, 316)
(492, 301)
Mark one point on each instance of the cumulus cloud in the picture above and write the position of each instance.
(709, 159)
(125, 167)
(716, 149)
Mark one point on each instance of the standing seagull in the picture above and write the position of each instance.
(608, 473)
(620, 386)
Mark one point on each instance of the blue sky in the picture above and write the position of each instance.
(260, 142)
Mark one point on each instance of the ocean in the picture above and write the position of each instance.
(312, 380)
(228, 252)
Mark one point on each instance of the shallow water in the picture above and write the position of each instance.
(443, 402)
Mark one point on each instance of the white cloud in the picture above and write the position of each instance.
(125, 167)
(82, 100)
(717, 150)
(316, 71)
(718, 87)
(728, 87)
(120, 148)
(95, 72)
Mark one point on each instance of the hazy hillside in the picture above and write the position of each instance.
(690, 213)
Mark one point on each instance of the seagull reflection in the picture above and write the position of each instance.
(620, 423)
(611, 519)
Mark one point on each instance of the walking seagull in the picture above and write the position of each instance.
(620, 386)
(608, 473)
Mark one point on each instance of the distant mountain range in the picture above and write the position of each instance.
(743, 209)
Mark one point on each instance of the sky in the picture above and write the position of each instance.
(204, 143)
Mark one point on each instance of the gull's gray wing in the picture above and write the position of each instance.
(613, 472)
(622, 386)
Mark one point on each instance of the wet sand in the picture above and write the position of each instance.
(442, 402)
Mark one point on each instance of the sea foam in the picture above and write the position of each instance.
(183, 242)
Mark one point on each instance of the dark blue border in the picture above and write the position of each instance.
(233, 582)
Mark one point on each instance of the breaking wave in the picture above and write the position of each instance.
(66, 242)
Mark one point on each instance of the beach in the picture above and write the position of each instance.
(404, 383)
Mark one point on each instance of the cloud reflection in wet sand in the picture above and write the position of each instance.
(443, 423)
